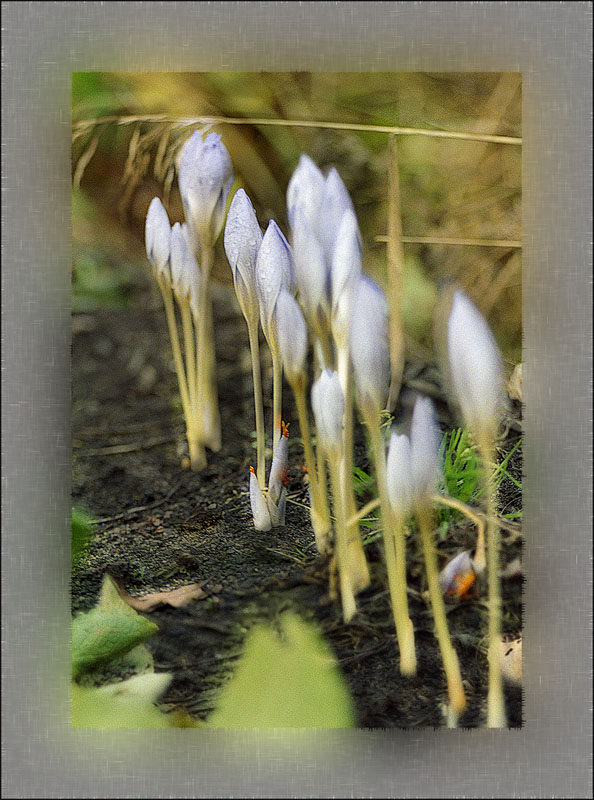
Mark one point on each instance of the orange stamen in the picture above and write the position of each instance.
(285, 428)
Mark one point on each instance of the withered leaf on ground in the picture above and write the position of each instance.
(177, 597)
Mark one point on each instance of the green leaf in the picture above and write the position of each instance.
(106, 632)
(287, 681)
(82, 531)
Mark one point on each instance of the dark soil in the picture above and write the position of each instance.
(161, 526)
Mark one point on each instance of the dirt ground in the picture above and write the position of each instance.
(161, 526)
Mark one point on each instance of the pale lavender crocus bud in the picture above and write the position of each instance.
(344, 275)
(195, 273)
(335, 203)
(292, 336)
(305, 191)
(242, 240)
(311, 270)
(327, 402)
(274, 271)
(260, 513)
(157, 236)
(398, 474)
(424, 445)
(205, 178)
(183, 264)
(475, 365)
(370, 353)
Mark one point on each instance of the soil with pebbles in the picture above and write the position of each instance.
(161, 526)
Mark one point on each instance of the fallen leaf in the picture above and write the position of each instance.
(511, 660)
(174, 597)
(514, 386)
(513, 569)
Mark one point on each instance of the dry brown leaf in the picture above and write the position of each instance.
(513, 569)
(511, 660)
(514, 386)
(174, 597)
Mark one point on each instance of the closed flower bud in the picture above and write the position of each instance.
(279, 467)
(305, 191)
(158, 238)
(424, 444)
(292, 336)
(184, 267)
(311, 271)
(327, 401)
(475, 365)
(458, 576)
(242, 240)
(259, 506)
(344, 274)
(274, 271)
(370, 354)
(205, 178)
(398, 474)
(335, 203)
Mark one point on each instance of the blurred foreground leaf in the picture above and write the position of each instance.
(287, 681)
(127, 704)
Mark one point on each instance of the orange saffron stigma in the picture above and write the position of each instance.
(285, 428)
(462, 586)
(252, 470)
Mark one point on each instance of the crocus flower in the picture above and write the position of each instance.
(185, 271)
(158, 238)
(398, 473)
(475, 364)
(370, 354)
(311, 271)
(205, 178)
(345, 271)
(458, 576)
(260, 513)
(292, 336)
(424, 444)
(327, 401)
(242, 240)
(274, 271)
(334, 204)
(305, 191)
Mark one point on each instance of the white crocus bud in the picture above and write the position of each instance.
(344, 275)
(259, 506)
(278, 468)
(205, 178)
(475, 365)
(292, 336)
(157, 236)
(242, 240)
(335, 203)
(274, 271)
(370, 353)
(458, 576)
(305, 191)
(424, 444)
(398, 474)
(311, 271)
(327, 402)
(183, 264)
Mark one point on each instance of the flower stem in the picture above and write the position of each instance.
(347, 595)
(457, 700)
(258, 405)
(277, 397)
(496, 716)
(395, 549)
(205, 392)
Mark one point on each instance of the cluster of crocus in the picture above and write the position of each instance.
(262, 272)
(182, 259)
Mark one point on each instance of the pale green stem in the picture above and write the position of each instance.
(457, 700)
(320, 513)
(188, 329)
(359, 566)
(347, 595)
(277, 397)
(197, 457)
(212, 419)
(395, 549)
(496, 716)
(258, 405)
(204, 341)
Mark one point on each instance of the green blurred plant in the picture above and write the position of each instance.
(82, 532)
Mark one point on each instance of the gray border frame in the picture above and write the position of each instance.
(551, 44)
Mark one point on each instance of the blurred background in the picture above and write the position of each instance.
(450, 189)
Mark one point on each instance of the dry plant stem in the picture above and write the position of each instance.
(277, 397)
(197, 456)
(320, 513)
(395, 550)
(258, 405)
(479, 559)
(347, 595)
(457, 700)
(395, 268)
(358, 561)
(496, 717)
